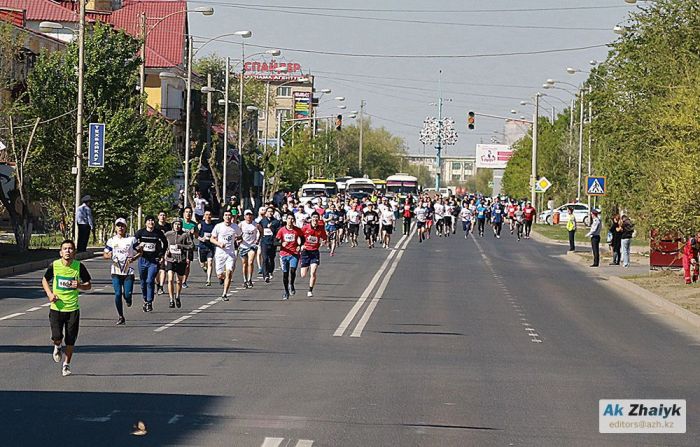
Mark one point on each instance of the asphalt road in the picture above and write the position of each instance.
(452, 342)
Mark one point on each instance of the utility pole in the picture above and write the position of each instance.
(580, 146)
(224, 200)
(533, 175)
(362, 125)
(209, 110)
(142, 68)
(188, 120)
(79, 118)
(240, 124)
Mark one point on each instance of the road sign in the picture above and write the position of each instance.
(595, 186)
(542, 185)
(2, 146)
(96, 154)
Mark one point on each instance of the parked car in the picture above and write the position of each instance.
(580, 214)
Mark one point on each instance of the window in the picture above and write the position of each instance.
(284, 91)
(456, 178)
(456, 165)
(286, 113)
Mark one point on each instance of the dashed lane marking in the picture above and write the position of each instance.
(272, 442)
(33, 309)
(7, 317)
(172, 323)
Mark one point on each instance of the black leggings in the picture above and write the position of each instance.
(406, 224)
(528, 227)
(268, 255)
(286, 276)
(480, 225)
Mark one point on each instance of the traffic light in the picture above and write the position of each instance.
(338, 122)
(470, 120)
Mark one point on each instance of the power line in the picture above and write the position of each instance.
(40, 122)
(393, 121)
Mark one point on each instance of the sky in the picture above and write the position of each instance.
(400, 92)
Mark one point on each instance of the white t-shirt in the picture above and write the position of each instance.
(226, 234)
(448, 210)
(300, 217)
(465, 214)
(251, 234)
(353, 216)
(439, 211)
(420, 213)
(387, 218)
(122, 248)
(381, 208)
(199, 205)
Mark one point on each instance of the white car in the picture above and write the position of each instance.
(580, 214)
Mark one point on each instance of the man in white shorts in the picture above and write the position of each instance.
(224, 237)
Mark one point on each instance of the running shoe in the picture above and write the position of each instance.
(128, 303)
(184, 285)
(309, 293)
(250, 284)
(160, 291)
(285, 296)
(57, 354)
(171, 304)
(208, 284)
(224, 297)
(267, 278)
(293, 290)
(178, 303)
(145, 307)
(150, 307)
(245, 284)
(121, 321)
(66, 370)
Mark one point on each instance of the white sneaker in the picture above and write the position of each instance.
(57, 354)
(224, 297)
(309, 293)
(66, 370)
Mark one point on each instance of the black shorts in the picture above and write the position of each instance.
(371, 230)
(205, 252)
(178, 267)
(353, 228)
(309, 257)
(388, 229)
(420, 224)
(70, 321)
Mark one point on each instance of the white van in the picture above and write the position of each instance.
(311, 191)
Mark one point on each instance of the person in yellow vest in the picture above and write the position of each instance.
(62, 283)
(571, 228)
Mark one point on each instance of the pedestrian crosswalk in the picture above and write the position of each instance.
(278, 442)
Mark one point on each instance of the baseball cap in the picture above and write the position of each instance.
(120, 221)
(247, 212)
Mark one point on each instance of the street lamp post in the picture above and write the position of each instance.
(535, 139)
(79, 121)
(243, 35)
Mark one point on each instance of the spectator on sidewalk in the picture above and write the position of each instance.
(626, 232)
(690, 261)
(86, 224)
(571, 228)
(615, 239)
(594, 234)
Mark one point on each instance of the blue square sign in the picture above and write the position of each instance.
(595, 186)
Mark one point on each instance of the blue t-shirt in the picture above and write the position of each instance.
(480, 212)
(496, 214)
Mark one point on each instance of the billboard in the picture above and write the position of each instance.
(302, 105)
(493, 156)
(270, 70)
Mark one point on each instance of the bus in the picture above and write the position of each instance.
(400, 185)
(311, 191)
(340, 181)
(359, 187)
(331, 186)
(380, 185)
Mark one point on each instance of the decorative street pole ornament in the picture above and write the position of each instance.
(438, 131)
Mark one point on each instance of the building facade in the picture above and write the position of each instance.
(455, 169)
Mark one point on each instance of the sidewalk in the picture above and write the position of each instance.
(624, 278)
(43, 263)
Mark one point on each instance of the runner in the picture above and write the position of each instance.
(466, 215)
(331, 219)
(510, 209)
(447, 219)
(290, 238)
(530, 213)
(121, 250)
(481, 218)
(62, 283)
(163, 226)
(189, 226)
(371, 223)
(200, 205)
(249, 247)
(429, 216)
(270, 226)
(342, 217)
(258, 255)
(421, 213)
(407, 214)
(152, 245)
(387, 220)
(206, 248)
(439, 213)
(354, 218)
(225, 236)
(497, 218)
(519, 217)
(313, 233)
(179, 244)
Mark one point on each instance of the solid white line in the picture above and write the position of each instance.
(211, 303)
(33, 309)
(204, 307)
(305, 443)
(196, 311)
(46, 305)
(368, 290)
(272, 442)
(380, 291)
(172, 323)
(7, 317)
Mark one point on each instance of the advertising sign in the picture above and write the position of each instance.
(96, 153)
(302, 105)
(493, 156)
(273, 70)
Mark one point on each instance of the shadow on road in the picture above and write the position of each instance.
(153, 349)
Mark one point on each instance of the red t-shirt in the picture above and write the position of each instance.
(313, 237)
(529, 212)
(511, 211)
(291, 246)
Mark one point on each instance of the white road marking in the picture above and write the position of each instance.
(211, 303)
(33, 309)
(7, 317)
(174, 419)
(305, 443)
(172, 323)
(380, 291)
(196, 311)
(272, 442)
(204, 307)
(358, 305)
(46, 305)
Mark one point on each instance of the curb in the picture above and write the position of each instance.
(640, 292)
(39, 265)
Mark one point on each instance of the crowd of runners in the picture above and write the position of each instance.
(163, 252)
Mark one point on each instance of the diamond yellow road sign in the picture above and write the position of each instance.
(542, 184)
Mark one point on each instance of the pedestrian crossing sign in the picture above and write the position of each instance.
(595, 186)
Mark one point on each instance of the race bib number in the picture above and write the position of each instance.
(289, 237)
(174, 250)
(267, 232)
(370, 218)
(149, 247)
(312, 239)
(207, 235)
(65, 283)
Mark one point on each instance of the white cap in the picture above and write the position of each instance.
(121, 220)
(247, 212)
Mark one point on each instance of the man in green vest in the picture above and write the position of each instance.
(62, 282)
(571, 228)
